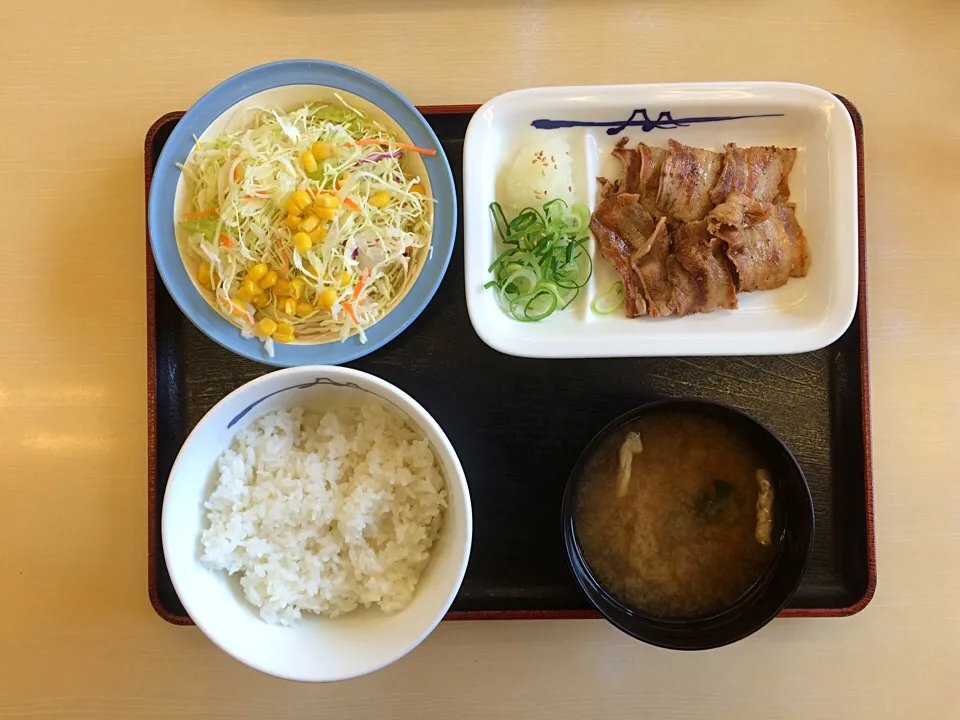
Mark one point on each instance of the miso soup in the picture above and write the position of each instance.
(674, 515)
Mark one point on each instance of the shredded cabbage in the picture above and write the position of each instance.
(240, 183)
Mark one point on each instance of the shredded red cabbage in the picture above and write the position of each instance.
(381, 156)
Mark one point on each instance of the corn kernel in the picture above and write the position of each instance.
(309, 162)
(341, 181)
(319, 234)
(326, 200)
(326, 213)
(284, 332)
(203, 275)
(297, 287)
(281, 288)
(309, 223)
(248, 290)
(418, 188)
(302, 242)
(304, 309)
(345, 278)
(327, 298)
(287, 305)
(321, 150)
(293, 222)
(292, 207)
(380, 199)
(301, 199)
(257, 272)
(261, 301)
(267, 327)
(269, 280)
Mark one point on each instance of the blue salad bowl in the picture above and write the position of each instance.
(290, 84)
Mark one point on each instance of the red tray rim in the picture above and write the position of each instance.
(853, 609)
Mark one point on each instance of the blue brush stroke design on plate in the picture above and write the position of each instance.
(641, 119)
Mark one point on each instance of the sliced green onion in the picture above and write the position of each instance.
(610, 300)
(534, 306)
(500, 220)
(544, 264)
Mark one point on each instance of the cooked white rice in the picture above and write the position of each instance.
(325, 513)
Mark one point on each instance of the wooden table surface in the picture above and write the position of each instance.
(81, 83)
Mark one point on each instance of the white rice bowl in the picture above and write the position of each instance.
(325, 513)
(316, 648)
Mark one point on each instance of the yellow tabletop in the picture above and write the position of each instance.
(82, 81)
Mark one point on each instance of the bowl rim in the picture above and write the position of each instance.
(417, 413)
(220, 99)
(581, 571)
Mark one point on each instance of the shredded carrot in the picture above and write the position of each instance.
(351, 204)
(259, 195)
(195, 215)
(414, 148)
(349, 308)
(239, 311)
(398, 145)
(363, 281)
(226, 241)
(285, 261)
(238, 173)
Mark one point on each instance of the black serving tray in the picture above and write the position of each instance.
(519, 424)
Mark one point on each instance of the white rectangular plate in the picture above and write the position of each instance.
(806, 314)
